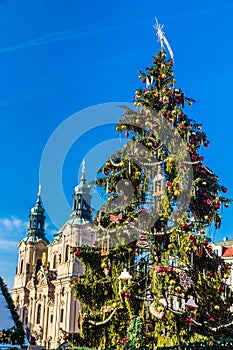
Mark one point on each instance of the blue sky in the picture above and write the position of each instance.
(59, 57)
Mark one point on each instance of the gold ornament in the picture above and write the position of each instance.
(164, 76)
(163, 65)
(176, 193)
(172, 282)
(190, 103)
(164, 55)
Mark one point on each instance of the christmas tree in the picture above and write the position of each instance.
(152, 277)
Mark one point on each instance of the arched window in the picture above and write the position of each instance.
(38, 265)
(67, 253)
(54, 261)
(38, 317)
(21, 267)
(62, 315)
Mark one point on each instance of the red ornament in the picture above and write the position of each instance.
(206, 144)
(182, 127)
(77, 253)
(124, 340)
(165, 114)
(212, 319)
(95, 243)
(159, 76)
(211, 274)
(106, 172)
(126, 134)
(222, 288)
(185, 226)
(205, 242)
(201, 158)
(188, 320)
(205, 194)
(224, 190)
(127, 294)
(95, 220)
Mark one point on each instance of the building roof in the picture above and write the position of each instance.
(227, 252)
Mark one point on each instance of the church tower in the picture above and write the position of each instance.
(82, 199)
(31, 250)
(42, 289)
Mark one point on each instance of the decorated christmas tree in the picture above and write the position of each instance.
(152, 278)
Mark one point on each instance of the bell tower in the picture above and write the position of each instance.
(31, 250)
(37, 221)
(82, 199)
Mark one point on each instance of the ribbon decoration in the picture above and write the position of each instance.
(162, 38)
(115, 218)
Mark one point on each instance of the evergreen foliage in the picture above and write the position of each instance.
(14, 335)
(160, 200)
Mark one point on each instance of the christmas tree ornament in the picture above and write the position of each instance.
(124, 276)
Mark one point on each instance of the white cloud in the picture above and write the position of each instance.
(13, 226)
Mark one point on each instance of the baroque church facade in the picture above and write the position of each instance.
(42, 286)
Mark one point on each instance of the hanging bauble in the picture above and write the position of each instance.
(227, 205)
(206, 144)
(185, 226)
(190, 103)
(163, 65)
(164, 76)
(217, 307)
(124, 340)
(126, 134)
(127, 294)
(163, 55)
(224, 190)
(211, 319)
(77, 253)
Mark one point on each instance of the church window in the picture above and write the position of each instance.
(62, 315)
(54, 261)
(67, 253)
(38, 265)
(21, 267)
(38, 318)
(34, 224)
(39, 225)
(51, 318)
(63, 291)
